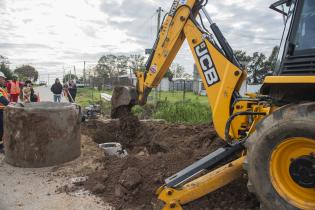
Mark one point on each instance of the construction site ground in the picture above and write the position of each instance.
(39, 189)
(98, 181)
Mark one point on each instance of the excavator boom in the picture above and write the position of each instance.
(219, 69)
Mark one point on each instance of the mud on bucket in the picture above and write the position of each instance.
(41, 134)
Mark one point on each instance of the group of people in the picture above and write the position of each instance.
(21, 90)
(13, 90)
(69, 90)
(10, 92)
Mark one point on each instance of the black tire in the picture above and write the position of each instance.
(294, 120)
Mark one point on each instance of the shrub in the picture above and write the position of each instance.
(183, 112)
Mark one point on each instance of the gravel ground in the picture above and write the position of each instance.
(37, 189)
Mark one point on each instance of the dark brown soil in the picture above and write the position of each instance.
(156, 150)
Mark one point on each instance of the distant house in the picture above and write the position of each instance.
(164, 85)
(132, 80)
(181, 84)
(198, 87)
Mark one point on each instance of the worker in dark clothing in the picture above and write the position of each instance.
(57, 88)
(72, 89)
(4, 101)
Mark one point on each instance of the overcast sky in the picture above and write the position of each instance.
(52, 35)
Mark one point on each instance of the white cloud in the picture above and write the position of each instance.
(53, 34)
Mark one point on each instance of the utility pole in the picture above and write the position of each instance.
(75, 73)
(84, 79)
(69, 78)
(63, 73)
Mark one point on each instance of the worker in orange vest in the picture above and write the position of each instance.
(14, 89)
(4, 101)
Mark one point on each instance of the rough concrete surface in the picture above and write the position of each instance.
(37, 189)
(41, 134)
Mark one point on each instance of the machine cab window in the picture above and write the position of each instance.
(304, 39)
(297, 49)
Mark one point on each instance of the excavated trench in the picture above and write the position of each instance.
(156, 150)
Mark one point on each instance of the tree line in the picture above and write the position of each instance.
(258, 65)
(24, 72)
(110, 66)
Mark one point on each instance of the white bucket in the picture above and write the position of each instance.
(113, 149)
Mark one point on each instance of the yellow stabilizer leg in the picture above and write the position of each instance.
(175, 198)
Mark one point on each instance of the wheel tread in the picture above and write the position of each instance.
(283, 115)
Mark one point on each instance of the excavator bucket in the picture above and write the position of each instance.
(123, 99)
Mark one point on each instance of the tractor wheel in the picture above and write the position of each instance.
(280, 158)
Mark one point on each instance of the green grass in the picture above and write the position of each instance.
(183, 112)
(170, 106)
(86, 96)
(177, 96)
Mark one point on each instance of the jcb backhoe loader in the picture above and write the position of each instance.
(271, 133)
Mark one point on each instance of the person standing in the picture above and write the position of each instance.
(72, 89)
(4, 101)
(14, 89)
(34, 97)
(27, 91)
(56, 89)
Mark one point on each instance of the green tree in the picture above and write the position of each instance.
(137, 62)
(256, 69)
(258, 66)
(122, 65)
(242, 57)
(270, 63)
(27, 72)
(105, 66)
(177, 70)
(112, 66)
(69, 77)
(4, 67)
(6, 71)
(169, 74)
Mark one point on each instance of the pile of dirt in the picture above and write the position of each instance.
(156, 150)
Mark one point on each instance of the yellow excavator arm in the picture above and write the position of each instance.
(220, 71)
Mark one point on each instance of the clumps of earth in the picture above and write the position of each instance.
(156, 150)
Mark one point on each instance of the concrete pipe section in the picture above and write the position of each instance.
(41, 134)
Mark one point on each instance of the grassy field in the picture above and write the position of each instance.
(169, 106)
(177, 96)
(86, 96)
